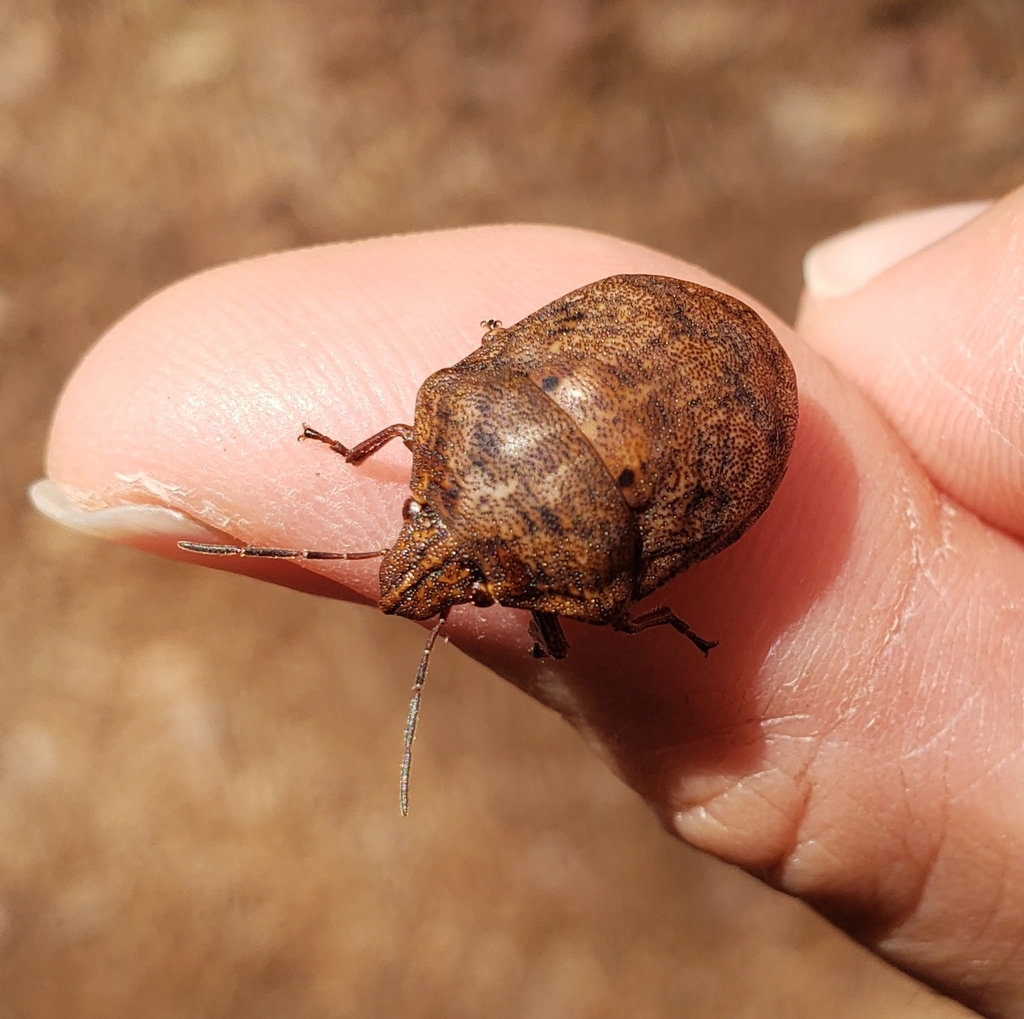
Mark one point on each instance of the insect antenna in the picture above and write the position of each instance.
(274, 553)
(414, 712)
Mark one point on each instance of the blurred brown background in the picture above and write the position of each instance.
(197, 773)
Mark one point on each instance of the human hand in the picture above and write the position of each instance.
(855, 738)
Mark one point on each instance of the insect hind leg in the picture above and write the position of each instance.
(664, 616)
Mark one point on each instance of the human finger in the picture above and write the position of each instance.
(815, 745)
(934, 340)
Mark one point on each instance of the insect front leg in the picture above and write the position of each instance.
(355, 455)
(365, 449)
(664, 616)
(260, 552)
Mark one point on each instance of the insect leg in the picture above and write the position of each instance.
(547, 633)
(274, 553)
(360, 452)
(664, 616)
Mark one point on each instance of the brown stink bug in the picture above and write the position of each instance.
(577, 460)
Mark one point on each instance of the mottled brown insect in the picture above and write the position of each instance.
(577, 460)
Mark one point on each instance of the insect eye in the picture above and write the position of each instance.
(411, 510)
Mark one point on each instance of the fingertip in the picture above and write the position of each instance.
(842, 264)
(920, 312)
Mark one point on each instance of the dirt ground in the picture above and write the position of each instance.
(197, 772)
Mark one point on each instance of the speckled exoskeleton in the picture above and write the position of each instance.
(580, 458)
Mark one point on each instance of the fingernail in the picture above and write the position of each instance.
(842, 264)
(116, 523)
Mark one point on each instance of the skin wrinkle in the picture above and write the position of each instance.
(925, 869)
(929, 574)
(819, 845)
(920, 367)
(898, 944)
(949, 512)
(786, 687)
(990, 772)
(927, 866)
(907, 598)
(982, 966)
(919, 739)
(928, 873)
(850, 663)
(967, 706)
(772, 721)
(922, 749)
(813, 742)
(700, 815)
(746, 785)
(1011, 409)
(814, 846)
(847, 708)
(1010, 331)
(861, 693)
(1006, 761)
(798, 778)
(966, 399)
(1009, 336)
(791, 864)
(706, 808)
(818, 741)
